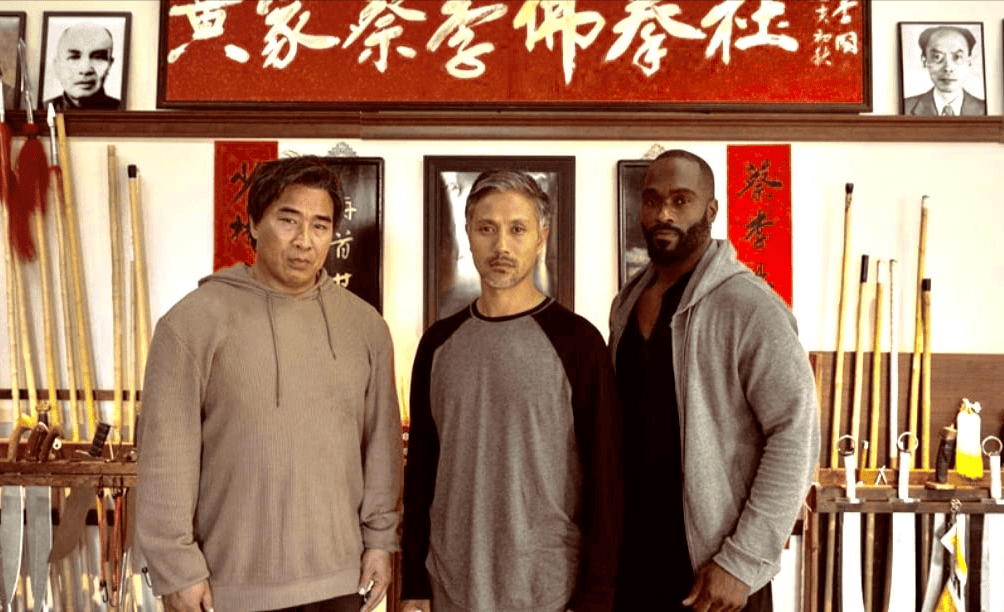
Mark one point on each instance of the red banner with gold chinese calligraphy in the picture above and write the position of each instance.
(759, 186)
(812, 54)
(232, 168)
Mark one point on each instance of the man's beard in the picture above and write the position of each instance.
(687, 244)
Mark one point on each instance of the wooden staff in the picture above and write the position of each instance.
(918, 338)
(56, 187)
(118, 307)
(838, 393)
(893, 367)
(873, 429)
(859, 351)
(925, 397)
(73, 233)
(143, 324)
(12, 327)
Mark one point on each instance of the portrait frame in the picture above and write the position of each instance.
(632, 252)
(916, 89)
(12, 25)
(118, 23)
(451, 280)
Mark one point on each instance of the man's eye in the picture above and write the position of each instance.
(519, 229)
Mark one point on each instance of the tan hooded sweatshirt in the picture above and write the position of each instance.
(261, 414)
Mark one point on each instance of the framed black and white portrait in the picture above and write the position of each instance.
(85, 60)
(632, 252)
(942, 69)
(451, 279)
(11, 31)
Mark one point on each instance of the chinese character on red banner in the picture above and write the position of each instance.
(759, 186)
(233, 166)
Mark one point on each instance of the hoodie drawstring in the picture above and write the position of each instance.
(275, 349)
(327, 325)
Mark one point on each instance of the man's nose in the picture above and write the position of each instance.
(302, 237)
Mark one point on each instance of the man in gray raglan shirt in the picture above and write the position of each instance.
(512, 487)
(720, 415)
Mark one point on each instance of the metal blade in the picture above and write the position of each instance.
(850, 564)
(38, 507)
(66, 536)
(11, 536)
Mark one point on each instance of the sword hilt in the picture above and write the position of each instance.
(98, 443)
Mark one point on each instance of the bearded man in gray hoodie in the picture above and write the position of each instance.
(720, 417)
(270, 448)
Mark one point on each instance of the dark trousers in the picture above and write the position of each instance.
(345, 603)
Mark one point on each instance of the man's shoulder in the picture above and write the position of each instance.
(101, 101)
(561, 322)
(971, 105)
(921, 104)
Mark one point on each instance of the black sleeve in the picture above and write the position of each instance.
(421, 464)
(597, 415)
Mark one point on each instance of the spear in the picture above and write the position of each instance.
(56, 180)
(33, 185)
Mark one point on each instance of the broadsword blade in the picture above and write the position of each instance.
(11, 536)
(38, 507)
(851, 594)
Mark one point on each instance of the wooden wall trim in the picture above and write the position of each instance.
(525, 125)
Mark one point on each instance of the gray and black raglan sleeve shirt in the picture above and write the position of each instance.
(512, 488)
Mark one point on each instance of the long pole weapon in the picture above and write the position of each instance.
(893, 366)
(918, 338)
(33, 183)
(56, 186)
(118, 306)
(838, 394)
(143, 323)
(851, 583)
(873, 429)
(12, 503)
(73, 235)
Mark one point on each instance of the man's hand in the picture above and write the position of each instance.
(375, 569)
(416, 605)
(716, 590)
(196, 598)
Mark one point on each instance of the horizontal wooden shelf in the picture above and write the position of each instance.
(829, 494)
(71, 472)
(523, 125)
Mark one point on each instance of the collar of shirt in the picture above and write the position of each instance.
(941, 101)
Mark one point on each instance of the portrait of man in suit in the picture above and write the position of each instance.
(947, 52)
(85, 61)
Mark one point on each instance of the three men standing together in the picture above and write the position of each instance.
(525, 469)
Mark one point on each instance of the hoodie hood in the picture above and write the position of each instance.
(240, 276)
(717, 265)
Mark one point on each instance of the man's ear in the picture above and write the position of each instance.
(712, 210)
(543, 236)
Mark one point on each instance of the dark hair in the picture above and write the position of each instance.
(497, 181)
(925, 37)
(706, 171)
(269, 179)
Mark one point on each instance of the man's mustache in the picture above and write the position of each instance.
(503, 260)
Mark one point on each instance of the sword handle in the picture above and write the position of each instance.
(38, 434)
(23, 424)
(98, 443)
(52, 442)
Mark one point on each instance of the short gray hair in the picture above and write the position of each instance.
(499, 181)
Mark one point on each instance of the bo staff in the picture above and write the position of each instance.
(838, 393)
(893, 366)
(925, 397)
(118, 306)
(73, 234)
(918, 336)
(143, 323)
(859, 351)
(56, 186)
(873, 429)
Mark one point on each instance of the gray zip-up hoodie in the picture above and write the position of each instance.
(749, 418)
(262, 412)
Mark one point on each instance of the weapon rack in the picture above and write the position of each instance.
(953, 376)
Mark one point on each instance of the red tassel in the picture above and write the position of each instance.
(32, 191)
(18, 230)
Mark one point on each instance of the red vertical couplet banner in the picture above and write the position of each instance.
(759, 184)
(234, 163)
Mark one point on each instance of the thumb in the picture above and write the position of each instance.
(207, 600)
(695, 591)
